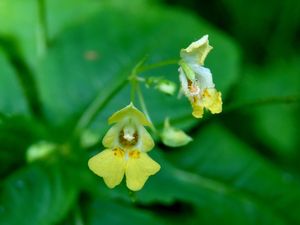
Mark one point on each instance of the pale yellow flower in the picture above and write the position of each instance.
(196, 80)
(127, 143)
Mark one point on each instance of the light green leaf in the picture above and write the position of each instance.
(21, 27)
(28, 23)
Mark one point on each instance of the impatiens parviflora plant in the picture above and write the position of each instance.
(127, 142)
(196, 80)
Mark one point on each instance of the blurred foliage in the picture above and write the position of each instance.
(58, 59)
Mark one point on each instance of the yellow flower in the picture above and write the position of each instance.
(196, 80)
(127, 143)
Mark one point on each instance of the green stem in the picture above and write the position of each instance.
(157, 65)
(144, 107)
(104, 97)
(133, 83)
(133, 78)
(25, 76)
(42, 29)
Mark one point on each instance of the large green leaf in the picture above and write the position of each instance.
(62, 14)
(195, 198)
(218, 155)
(275, 120)
(36, 194)
(88, 60)
(27, 23)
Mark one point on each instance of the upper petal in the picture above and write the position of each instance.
(139, 169)
(197, 51)
(129, 111)
(109, 164)
(197, 107)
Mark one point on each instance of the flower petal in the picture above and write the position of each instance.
(146, 142)
(212, 100)
(111, 138)
(129, 111)
(139, 168)
(184, 82)
(197, 51)
(197, 108)
(203, 76)
(109, 164)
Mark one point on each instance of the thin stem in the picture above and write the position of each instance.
(144, 107)
(25, 77)
(157, 65)
(133, 78)
(104, 97)
(133, 83)
(42, 29)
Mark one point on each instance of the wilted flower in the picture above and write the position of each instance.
(196, 80)
(127, 142)
(174, 137)
(40, 150)
(166, 86)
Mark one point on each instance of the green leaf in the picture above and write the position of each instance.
(36, 194)
(63, 14)
(85, 62)
(12, 100)
(16, 135)
(103, 211)
(274, 123)
(21, 27)
(256, 181)
(196, 198)
(24, 29)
